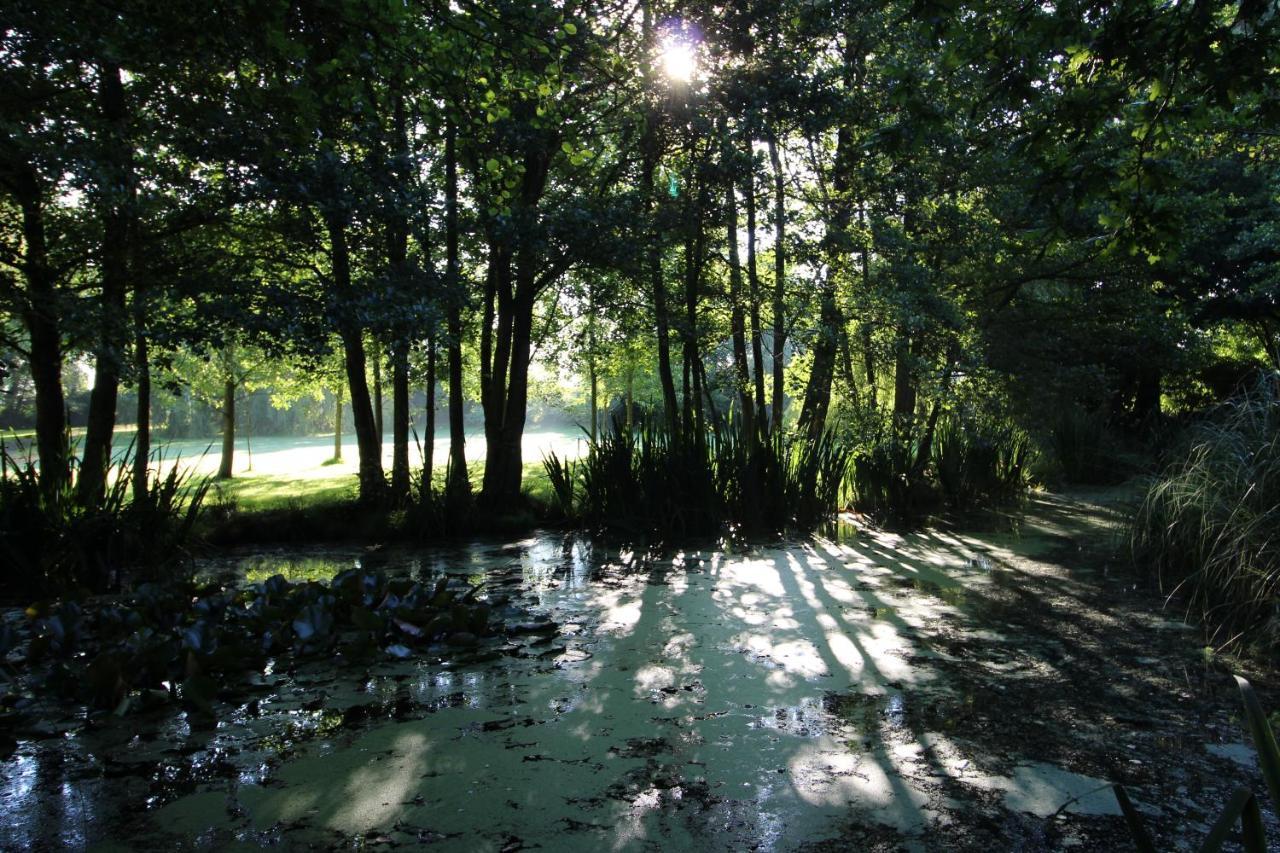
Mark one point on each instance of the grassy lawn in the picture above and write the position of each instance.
(270, 491)
(275, 473)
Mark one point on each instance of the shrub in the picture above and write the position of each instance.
(54, 542)
(980, 465)
(647, 480)
(886, 481)
(1207, 524)
(1086, 450)
(562, 476)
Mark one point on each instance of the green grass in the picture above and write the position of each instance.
(262, 492)
(1208, 522)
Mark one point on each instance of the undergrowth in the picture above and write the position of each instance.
(54, 542)
(1207, 524)
(649, 480)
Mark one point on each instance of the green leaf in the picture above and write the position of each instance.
(1243, 805)
(570, 28)
(1264, 740)
(1137, 827)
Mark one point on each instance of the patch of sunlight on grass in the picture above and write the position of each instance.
(295, 570)
(260, 492)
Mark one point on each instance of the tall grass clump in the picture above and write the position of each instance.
(562, 476)
(649, 480)
(1084, 448)
(53, 542)
(886, 480)
(980, 465)
(1209, 523)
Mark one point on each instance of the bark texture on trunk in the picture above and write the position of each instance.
(117, 213)
(142, 367)
(429, 422)
(651, 153)
(779, 282)
(368, 441)
(514, 282)
(737, 316)
(337, 427)
(753, 295)
(42, 319)
(228, 429)
(459, 485)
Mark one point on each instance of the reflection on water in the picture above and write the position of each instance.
(706, 700)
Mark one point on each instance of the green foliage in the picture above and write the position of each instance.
(1207, 523)
(980, 465)
(54, 543)
(647, 481)
(886, 482)
(1085, 449)
(562, 475)
(1243, 806)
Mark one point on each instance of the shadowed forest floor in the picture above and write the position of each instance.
(862, 690)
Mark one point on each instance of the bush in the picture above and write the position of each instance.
(54, 543)
(1207, 524)
(980, 465)
(886, 481)
(647, 480)
(1085, 448)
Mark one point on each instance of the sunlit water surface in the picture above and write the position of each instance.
(707, 700)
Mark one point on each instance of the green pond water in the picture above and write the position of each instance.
(861, 690)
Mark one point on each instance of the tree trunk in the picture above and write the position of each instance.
(651, 152)
(595, 402)
(779, 282)
(400, 419)
(591, 362)
(397, 254)
(753, 287)
(368, 441)
(375, 355)
(509, 372)
(142, 366)
(869, 365)
(693, 245)
(495, 347)
(248, 428)
(429, 424)
(40, 315)
(228, 428)
(459, 486)
(868, 354)
(630, 398)
(904, 386)
(737, 317)
(117, 202)
(817, 395)
(337, 425)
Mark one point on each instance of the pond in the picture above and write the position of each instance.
(861, 690)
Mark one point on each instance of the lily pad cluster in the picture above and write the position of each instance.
(185, 642)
